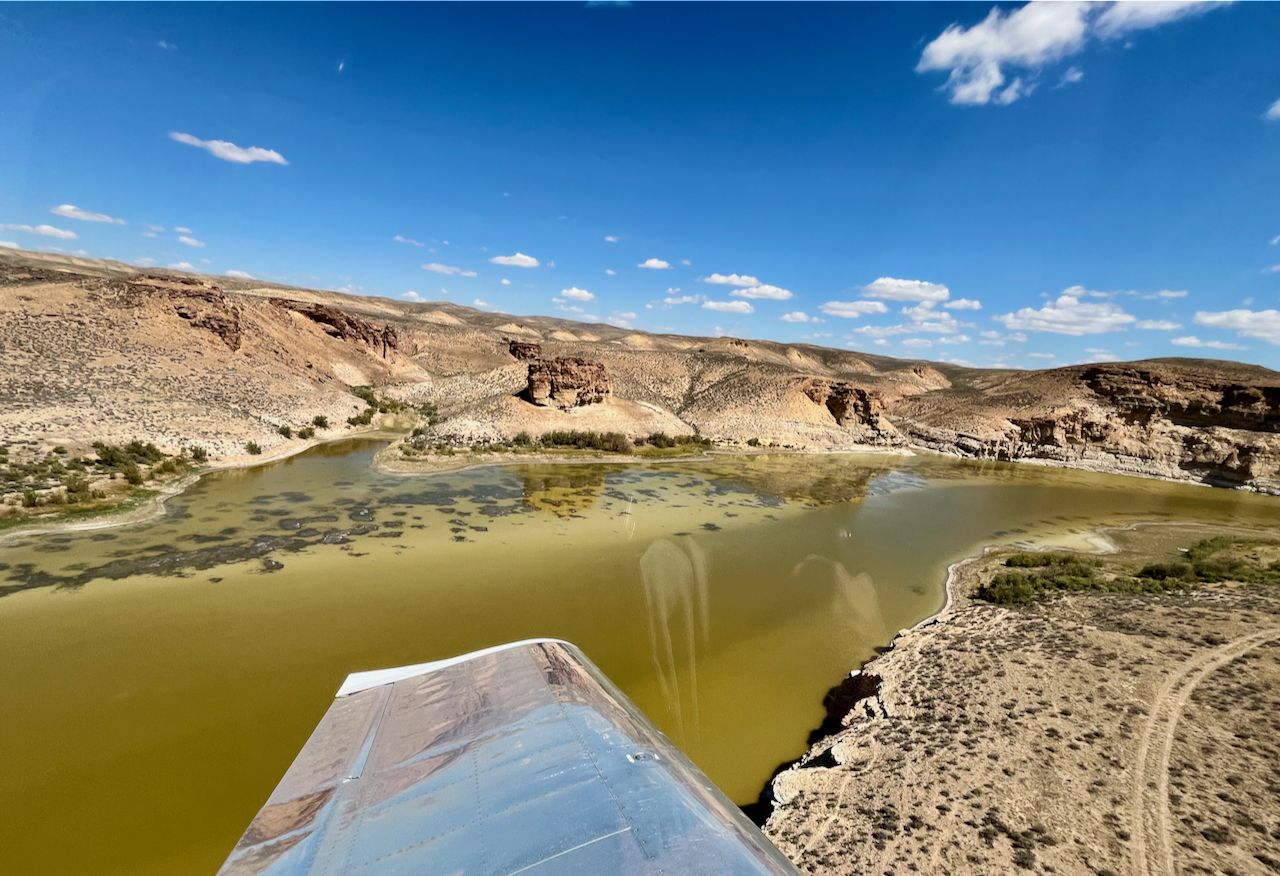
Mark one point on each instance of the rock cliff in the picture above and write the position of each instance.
(567, 382)
(343, 325)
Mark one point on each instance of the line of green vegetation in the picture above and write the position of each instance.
(1222, 558)
(563, 441)
(374, 404)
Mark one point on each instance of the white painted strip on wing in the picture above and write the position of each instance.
(358, 681)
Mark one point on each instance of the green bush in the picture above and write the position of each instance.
(320, 421)
(30, 499)
(361, 419)
(1168, 571)
(522, 439)
(307, 432)
(285, 431)
(253, 447)
(753, 442)
(609, 442)
(131, 473)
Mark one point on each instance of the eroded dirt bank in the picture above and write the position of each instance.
(1084, 733)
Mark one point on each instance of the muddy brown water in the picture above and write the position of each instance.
(156, 680)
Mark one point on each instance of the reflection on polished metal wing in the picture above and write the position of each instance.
(523, 758)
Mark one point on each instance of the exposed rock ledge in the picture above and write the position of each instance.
(567, 382)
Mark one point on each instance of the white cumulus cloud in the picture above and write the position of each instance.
(852, 309)
(798, 316)
(229, 151)
(654, 264)
(411, 295)
(732, 280)
(518, 260)
(763, 291)
(43, 231)
(239, 275)
(964, 304)
(1068, 315)
(71, 211)
(1157, 325)
(1261, 324)
(191, 241)
(978, 59)
(729, 306)
(894, 289)
(577, 294)
(505, 282)
(448, 270)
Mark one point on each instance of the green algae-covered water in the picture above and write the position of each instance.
(156, 680)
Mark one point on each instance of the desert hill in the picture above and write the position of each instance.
(97, 350)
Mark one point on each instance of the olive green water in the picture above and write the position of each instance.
(157, 680)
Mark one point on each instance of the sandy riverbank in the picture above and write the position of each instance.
(1088, 733)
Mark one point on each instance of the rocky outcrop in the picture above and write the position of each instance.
(344, 326)
(524, 350)
(209, 309)
(567, 383)
(849, 404)
(1141, 394)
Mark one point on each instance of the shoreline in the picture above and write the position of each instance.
(154, 506)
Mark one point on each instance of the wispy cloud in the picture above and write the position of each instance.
(1157, 325)
(191, 241)
(228, 151)
(239, 275)
(400, 238)
(764, 291)
(183, 266)
(654, 265)
(1193, 341)
(505, 282)
(729, 306)
(732, 280)
(71, 211)
(852, 309)
(448, 270)
(611, 238)
(43, 231)
(518, 260)
(977, 58)
(1069, 315)
(1273, 112)
(1070, 76)
(9, 244)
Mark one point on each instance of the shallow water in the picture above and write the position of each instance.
(157, 680)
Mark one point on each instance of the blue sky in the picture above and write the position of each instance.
(1013, 185)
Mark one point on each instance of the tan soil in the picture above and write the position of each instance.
(1103, 733)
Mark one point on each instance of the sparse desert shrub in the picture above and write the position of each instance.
(78, 489)
(30, 499)
(610, 442)
(361, 419)
(522, 439)
(285, 431)
(131, 473)
(307, 432)
(320, 421)
(753, 442)
(253, 447)
(1168, 571)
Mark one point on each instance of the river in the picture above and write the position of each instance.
(156, 680)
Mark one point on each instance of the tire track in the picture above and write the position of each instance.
(1149, 815)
